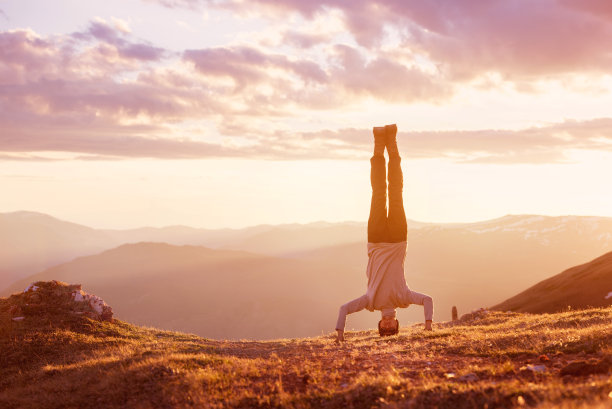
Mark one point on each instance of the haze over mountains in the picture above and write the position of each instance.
(282, 281)
(31, 242)
(219, 293)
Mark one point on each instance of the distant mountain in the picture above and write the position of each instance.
(468, 265)
(185, 235)
(289, 240)
(31, 242)
(213, 293)
(586, 285)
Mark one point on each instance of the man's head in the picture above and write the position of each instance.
(388, 326)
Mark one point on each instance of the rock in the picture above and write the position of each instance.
(470, 377)
(102, 310)
(475, 314)
(543, 358)
(31, 287)
(54, 298)
(533, 368)
(18, 318)
(585, 368)
(454, 313)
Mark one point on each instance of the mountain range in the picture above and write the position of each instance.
(288, 280)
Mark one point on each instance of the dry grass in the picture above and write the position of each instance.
(55, 361)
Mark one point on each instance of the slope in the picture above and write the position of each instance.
(495, 359)
(586, 285)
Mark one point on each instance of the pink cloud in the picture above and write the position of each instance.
(385, 79)
(517, 38)
(599, 8)
(350, 74)
(70, 93)
(304, 40)
(530, 145)
(106, 33)
(249, 65)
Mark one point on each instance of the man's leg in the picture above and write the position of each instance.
(398, 228)
(377, 222)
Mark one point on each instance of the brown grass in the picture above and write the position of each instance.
(59, 361)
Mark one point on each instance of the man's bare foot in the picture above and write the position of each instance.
(391, 129)
(391, 141)
(379, 131)
(428, 325)
(340, 337)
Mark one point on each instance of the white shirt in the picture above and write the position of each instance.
(387, 288)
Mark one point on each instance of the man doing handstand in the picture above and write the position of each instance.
(387, 243)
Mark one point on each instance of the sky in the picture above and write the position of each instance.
(229, 113)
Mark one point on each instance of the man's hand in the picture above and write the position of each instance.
(340, 337)
(428, 325)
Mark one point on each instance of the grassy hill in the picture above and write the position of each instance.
(586, 285)
(52, 359)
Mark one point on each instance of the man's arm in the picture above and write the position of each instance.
(350, 307)
(412, 297)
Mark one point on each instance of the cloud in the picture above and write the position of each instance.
(24, 158)
(520, 39)
(303, 40)
(304, 83)
(599, 8)
(247, 65)
(102, 93)
(384, 78)
(537, 145)
(115, 34)
(190, 4)
(547, 144)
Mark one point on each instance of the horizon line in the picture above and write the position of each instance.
(252, 226)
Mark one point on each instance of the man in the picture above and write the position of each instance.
(387, 242)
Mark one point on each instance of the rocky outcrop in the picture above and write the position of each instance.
(57, 298)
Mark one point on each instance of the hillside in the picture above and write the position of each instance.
(492, 359)
(586, 285)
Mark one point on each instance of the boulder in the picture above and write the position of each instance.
(58, 298)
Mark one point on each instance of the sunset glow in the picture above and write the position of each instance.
(124, 113)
